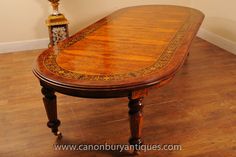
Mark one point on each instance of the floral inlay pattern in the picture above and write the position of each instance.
(59, 34)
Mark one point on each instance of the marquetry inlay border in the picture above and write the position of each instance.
(162, 61)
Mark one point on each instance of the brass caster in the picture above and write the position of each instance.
(58, 134)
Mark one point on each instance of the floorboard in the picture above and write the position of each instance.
(197, 110)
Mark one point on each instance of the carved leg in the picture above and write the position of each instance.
(50, 104)
(136, 122)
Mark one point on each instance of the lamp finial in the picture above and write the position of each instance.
(55, 4)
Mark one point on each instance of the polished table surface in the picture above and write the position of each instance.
(121, 55)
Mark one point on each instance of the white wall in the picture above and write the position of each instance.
(221, 16)
(219, 26)
(23, 19)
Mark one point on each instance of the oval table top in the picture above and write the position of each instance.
(132, 48)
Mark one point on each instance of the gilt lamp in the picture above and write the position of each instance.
(57, 25)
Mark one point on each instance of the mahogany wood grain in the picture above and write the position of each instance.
(50, 104)
(136, 120)
(122, 55)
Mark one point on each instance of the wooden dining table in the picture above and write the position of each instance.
(121, 55)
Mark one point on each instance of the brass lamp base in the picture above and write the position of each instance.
(57, 25)
(58, 28)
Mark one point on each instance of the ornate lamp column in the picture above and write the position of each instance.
(57, 25)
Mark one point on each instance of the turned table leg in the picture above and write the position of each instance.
(136, 122)
(50, 104)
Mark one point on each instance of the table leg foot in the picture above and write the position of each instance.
(54, 127)
(50, 105)
(136, 123)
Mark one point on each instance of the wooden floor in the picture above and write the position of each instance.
(197, 110)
